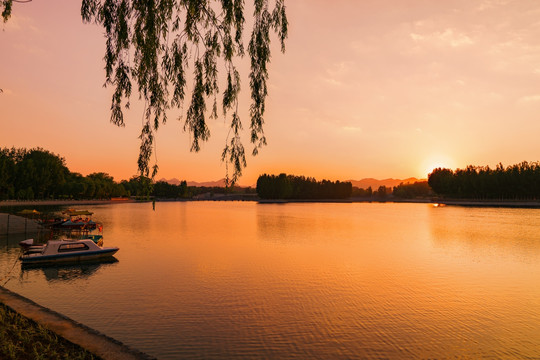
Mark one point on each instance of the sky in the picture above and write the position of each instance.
(382, 89)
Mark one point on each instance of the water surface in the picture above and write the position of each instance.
(246, 280)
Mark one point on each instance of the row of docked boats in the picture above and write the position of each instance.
(86, 247)
(72, 219)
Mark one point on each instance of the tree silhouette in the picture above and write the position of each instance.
(515, 182)
(151, 44)
(285, 186)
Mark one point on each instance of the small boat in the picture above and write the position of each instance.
(66, 251)
(29, 246)
(52, 222)
(76, 220)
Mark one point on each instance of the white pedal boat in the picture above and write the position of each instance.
(67, 251)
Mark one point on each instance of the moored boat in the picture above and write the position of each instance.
(78, 219)
(29, 245)
(67, 251)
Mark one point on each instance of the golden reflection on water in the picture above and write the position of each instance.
(233, 279)
(499, 231)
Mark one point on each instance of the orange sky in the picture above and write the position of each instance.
(365, 89)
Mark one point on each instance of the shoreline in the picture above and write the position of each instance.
(526, 204)
(6, 203)
(532, 204)
(87, 338)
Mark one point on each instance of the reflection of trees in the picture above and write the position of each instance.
(515, 182)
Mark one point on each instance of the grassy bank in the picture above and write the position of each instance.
(22, 338)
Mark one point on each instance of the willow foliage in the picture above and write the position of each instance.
(153, 43)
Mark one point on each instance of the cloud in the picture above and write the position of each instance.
(448, 37)
(30, 49)
(338, 73)
(339, 69)
(490, 4)
(20, 23)
(530, 99)
(332, 81)
(351, 129)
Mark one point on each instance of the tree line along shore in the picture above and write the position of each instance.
(519, 182)
(40, 175)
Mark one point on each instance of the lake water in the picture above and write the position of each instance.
(303, 281)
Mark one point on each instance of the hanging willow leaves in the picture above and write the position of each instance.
(153, 43)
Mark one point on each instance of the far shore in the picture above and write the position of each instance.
(449, 202)
(5, 203)
(491, 203)
(455, 202)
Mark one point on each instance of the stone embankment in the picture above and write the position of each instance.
(93, 341)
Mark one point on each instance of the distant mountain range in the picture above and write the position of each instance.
(363, 184)
(375, 183)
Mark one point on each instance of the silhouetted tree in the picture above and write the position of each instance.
(442, 181)
(286, 186)
(7, 175)
(382, 192)
(163, 189)
(519, 181)
(153, 43)
(39, 173)
(411, 191)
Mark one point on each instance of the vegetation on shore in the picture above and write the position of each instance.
(39, 174)
(22, 338)
(418, 189)
(285, 186)
(164, 190)
(518, 182)
(515, 182)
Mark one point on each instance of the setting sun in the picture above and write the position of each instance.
(434, 162)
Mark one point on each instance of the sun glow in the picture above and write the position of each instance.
(435, 161)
